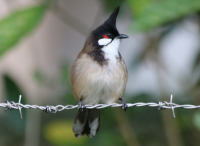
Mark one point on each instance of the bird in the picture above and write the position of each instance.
(98, 75)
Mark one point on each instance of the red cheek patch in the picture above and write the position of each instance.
(105, 36)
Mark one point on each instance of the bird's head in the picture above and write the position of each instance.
(107, 32)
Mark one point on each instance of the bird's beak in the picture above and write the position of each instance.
(122, 36)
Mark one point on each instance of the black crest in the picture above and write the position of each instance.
(111, 21)
(109, 26)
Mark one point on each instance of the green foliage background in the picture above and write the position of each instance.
(17, 25)
(147, 123)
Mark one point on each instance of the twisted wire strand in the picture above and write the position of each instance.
(10, 105)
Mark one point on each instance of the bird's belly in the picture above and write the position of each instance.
(103, 85)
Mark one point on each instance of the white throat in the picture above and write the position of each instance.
(111, 50)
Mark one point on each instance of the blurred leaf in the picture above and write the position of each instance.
(64, 70)
(146, 122)
(39, 76)
(196, 70)
(196, 61)
(156, 13)
(138, 6)
(18, 24)
(196, 119)
(12, 118)
(65, 80)
(110, 5)
(60, 133)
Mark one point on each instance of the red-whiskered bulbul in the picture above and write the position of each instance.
(98, 75)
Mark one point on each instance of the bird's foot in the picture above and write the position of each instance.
(124, 104)
(81, 105)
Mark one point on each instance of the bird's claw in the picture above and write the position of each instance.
(81, 105)
(124, 104)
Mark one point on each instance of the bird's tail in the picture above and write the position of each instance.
(87, 122)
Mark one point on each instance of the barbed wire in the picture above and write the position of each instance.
(10, 105)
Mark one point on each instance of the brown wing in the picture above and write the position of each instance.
(78, 64)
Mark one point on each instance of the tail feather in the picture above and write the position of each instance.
(87, 122)
(80, 123)
(93, 122)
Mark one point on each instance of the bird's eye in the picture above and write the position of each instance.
(109, 35)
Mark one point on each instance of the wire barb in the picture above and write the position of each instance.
(162, 105)
(171, 104)
(10, 105)
(20, 109)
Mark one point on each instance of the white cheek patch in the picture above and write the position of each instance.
(104, 41)
(111, 50)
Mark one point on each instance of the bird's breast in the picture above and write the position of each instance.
(94, 83)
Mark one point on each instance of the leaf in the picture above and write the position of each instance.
(59, 132)
(39, 76)
(12, 118)
(196, 64)
(160, 12)
(196, 119)
(64, 70)
(17, 25)
(138, 6)
(110, 5)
